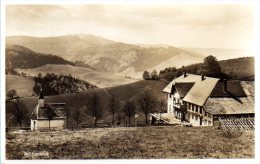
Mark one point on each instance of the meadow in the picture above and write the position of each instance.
(151, 142)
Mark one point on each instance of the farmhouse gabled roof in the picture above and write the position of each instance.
(234, 88)
(183, 88)
(233, 105)
(197, 91)
(58, 110)
(190, 78)
(200, 91)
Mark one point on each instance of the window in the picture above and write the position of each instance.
(209, 122)
(197, 109)
(205, 114)
(209, 115)
(200, 110)
(196, 118)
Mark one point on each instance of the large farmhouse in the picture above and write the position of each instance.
(48, 115)
(201, 100)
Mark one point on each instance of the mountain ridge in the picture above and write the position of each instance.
(101, 53)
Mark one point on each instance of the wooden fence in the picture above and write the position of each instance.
(237, 123)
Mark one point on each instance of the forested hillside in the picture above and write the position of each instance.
(22, 57)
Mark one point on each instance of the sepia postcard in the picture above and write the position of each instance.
(93, 81)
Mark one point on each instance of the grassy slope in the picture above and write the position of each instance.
(23, 85)
(133, 143)
(100, 79)
(238, 69)
(78, 100)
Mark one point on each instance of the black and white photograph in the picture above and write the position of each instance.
(129, 80)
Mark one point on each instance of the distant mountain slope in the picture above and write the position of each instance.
(22, 57)
(178, 61)
(222, 54)
(82, 64)
(101, 53)
(60, 45)
(100, 79)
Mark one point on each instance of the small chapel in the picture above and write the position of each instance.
(50, 116)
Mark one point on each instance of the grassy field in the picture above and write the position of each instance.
(23, 85)
(154, 142)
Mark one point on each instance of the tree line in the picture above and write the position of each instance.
(147, 102)
(53, 84)
(210, 67)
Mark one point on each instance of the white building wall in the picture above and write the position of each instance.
(194, 116)
(33, 124)
(56, 124)
(170, 108)
(194, 119)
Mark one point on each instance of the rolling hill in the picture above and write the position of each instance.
(27, 61)
(22, 85)
(178, 61)
(22, 57)
(100, 79)
(103, 54)
(239, 68)
(236, 69)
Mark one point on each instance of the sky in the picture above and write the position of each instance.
(182, 25)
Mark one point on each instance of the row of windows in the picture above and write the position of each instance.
(195, 108)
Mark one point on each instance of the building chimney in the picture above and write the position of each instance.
(184, 74)
(225, 85)
(202, 77)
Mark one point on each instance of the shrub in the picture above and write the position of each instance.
(228, 133)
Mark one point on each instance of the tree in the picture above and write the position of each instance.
(146, 75)
(129, 110)
(68, 113)
(119, 116)
(49, 114)
(154, 75)
(211, 67)
(12, 94)
(162, 106)
(113, 107)
(147, 103)
(94, 108)
(18, 112)
(76, 115)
